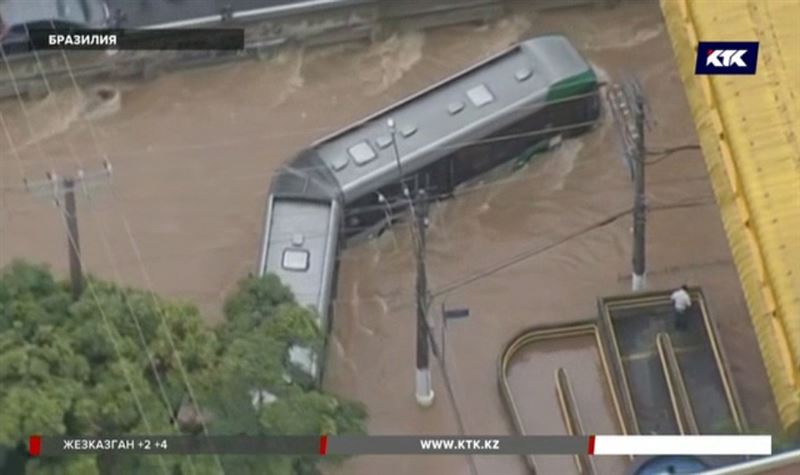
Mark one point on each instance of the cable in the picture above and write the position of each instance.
(156, 305)
(579, 125)
(108, 327)
(103, 236)
(522, 256)
(364, 123)
(667, 152)
(670, 150)
(418, 229)
(453, 403)
(14, 150)
(90, 286)
(397, 207)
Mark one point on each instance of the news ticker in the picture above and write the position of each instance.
(156, 39)
(403, 444)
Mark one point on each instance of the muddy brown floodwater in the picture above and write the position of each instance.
(193, 154)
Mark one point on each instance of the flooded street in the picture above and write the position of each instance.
(193, 154)
(532, 377)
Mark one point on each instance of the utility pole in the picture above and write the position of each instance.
(62, 192)
(628, 109)
(640, 201)
(73, 241)
(424, 387)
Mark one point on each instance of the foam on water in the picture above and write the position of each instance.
(386, 62)
(52, 116)
(292, 61)
(553, 168)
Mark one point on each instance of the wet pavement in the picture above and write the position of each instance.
(193, 153)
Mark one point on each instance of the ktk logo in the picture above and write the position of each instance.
(726, 58)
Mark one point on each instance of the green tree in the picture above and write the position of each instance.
(93, 367)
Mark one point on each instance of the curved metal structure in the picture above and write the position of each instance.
(635, 327)
(660, 380)
(568, 407)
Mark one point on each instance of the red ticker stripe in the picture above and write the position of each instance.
(591, 445)
(323, 444)
(35, 445)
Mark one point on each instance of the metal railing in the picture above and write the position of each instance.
(533, 335)
(663, 298)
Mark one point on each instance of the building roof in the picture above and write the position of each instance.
(748, 128)
(441, 118)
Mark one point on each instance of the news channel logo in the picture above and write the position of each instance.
(726, 57)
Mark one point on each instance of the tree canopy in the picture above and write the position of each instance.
(107, 364)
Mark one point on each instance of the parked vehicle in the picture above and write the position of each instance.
(19, 17)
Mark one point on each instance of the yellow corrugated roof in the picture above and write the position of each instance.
(748, 128)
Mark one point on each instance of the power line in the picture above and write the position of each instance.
(522, 256)
(424, 387)
(157, 306)
(452, 146)
(71, 219)
(668, 152)
(69, 214)
(472, 188)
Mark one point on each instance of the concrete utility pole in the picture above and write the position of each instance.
(424, 387)
(73, 241)
(640, 201)
(628, 108)
(62, 191)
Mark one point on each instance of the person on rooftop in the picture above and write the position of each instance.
(681, 301)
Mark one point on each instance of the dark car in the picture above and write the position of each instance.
(18, 17)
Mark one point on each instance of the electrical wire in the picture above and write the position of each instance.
(156, 304)
(527, 254)
(667, 152)
(97, 221)
(364, 123)
(90, 286)
(118, 278)
(448, 287)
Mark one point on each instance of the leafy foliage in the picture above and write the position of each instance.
(108, 364)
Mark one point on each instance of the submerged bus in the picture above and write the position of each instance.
(503, 109)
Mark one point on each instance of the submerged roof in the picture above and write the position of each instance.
(439, 119)
(748, 127)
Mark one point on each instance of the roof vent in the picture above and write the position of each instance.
(408, 130)
(383, 141)
(295, 259)
(339, 163)
(480, 95)
(297, 239)
(455, 107)
(523, 74)
(362, 153)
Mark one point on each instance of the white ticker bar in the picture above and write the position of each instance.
(683, 445)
